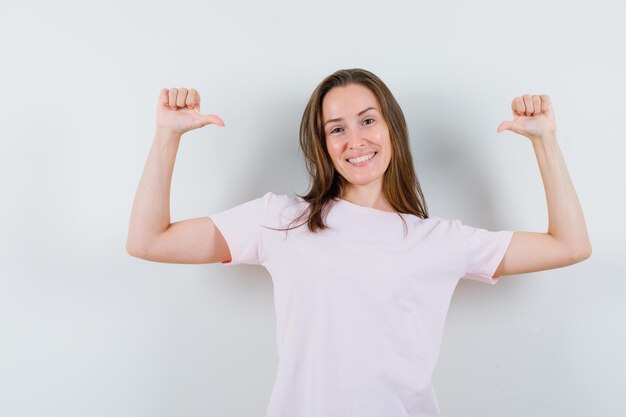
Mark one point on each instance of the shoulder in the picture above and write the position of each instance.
(279, 200)
(439, 227)
(453, 225)
(438, 223)
(280, 207)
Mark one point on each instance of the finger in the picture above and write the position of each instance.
(503, 126)
(193, 99)
(173, 94)
(528, 102)
(182, 96)
(211, 119)
(537, 104)
(518, 106)
(164, 96)
(546, 102)
(512, 126)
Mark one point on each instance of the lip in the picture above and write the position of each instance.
(362, 164)
(361, 154)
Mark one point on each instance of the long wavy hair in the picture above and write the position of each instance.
(401, 186)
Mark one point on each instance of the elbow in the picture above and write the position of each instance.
(582, 253)
(133, 250)
(587, 252)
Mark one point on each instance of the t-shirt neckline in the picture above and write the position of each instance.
(364, 208)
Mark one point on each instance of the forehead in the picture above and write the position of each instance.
(347, 101)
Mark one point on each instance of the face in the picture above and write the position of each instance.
(354, 126)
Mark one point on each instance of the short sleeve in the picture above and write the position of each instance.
(485, 250)
(241, 227)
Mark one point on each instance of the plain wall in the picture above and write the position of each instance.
(88, 330)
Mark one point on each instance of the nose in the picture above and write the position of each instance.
(356, 139)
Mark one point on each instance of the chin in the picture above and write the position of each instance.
(362, 181)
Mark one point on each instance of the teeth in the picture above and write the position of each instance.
(361, 158)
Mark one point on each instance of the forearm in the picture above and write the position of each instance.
(150, 214)
(566, 221)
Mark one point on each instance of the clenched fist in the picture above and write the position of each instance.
(533, 117)
(178, 111)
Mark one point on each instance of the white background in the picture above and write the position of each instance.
(88, 330)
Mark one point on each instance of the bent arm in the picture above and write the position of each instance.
(566, 222)
(150, 216)
(566, 242)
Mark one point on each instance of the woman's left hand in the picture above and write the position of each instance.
(533, 117)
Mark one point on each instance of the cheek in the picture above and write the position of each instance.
(384, 140)
(333, 150)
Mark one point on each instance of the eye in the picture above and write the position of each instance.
(333, 131)
(369, 119)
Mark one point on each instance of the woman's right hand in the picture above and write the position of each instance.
(178, 111)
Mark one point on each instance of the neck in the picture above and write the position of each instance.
(369, 195)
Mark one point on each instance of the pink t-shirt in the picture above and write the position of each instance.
(360, 310)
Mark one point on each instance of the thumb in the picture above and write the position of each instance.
(164, 96)
(211, 119)
(512, 126)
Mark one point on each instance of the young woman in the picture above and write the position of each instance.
(362, 275)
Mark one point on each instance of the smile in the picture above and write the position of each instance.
(362, 161)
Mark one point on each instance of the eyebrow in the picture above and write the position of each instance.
(341, 118)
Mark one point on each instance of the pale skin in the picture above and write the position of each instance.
(566, 242)
(354, 125)
(152, 237)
